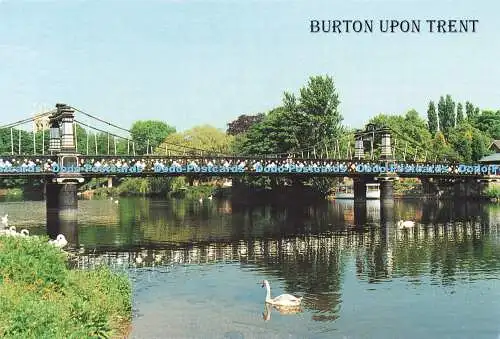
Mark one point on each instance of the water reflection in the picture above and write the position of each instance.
(268, 309)
(335, 254)
(314, 265)
(66, 223)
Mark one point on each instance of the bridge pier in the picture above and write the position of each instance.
(386, 188)
(359, 186)
(61, 202)
(386, 214)
(360, 213)
(61, 196)
(65, 223)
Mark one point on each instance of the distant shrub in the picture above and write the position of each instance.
(493, 192)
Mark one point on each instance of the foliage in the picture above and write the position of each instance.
(135, 186)
(469, 110)
(450, 113)
(469, 142)
(243, 123)
(442, 114)
(177, 183)
(149, 132)
(460, 114)
(307, 125)
(310, 122)
(463, 139)
(145, 186)
(488, 122)
(410, 133)
(41, 298)
(446, 114)
(194, 192)
(493, 192)
(276, 134)
(13, 194)
(19, 141)
(199, 140)
(432, 118)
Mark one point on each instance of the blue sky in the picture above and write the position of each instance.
(195, 62)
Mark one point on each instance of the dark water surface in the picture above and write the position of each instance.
(195, 267)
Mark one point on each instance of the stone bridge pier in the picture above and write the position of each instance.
(61, 192)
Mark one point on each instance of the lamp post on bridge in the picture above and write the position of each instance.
(359, 183)
(55, 138)
(359, 150)
(386, 179)
(61, 191)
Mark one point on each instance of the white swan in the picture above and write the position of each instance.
(282, 300)
(117, 202)
(10, 231)
(405, 224)
(138, 259)
(24, 232)
(5, 219)
(60, 241)
(210, 197)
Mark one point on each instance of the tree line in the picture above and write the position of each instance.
(307, 123)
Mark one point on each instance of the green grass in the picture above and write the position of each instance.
(41, 298)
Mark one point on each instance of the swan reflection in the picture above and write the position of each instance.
(283, 310)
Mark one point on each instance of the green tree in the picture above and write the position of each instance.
(19, 141)
(306, 123)
(277, 134)
(469, 110)
(469, 142)
(410, 132)
(488, 122)
(450, 120)
(479, 146)
(149, 132)
(432, 119)
(460, 114)
(442, 114)
(199, 140)
(319, 102)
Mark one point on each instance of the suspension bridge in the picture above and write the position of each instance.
(68, 145)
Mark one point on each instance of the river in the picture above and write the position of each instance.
(197, 267)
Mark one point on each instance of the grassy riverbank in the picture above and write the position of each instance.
(41, 298)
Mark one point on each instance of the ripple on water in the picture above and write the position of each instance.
(195, 268)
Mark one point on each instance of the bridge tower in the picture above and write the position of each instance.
(386, 179)
(359, 183)
(61, 192)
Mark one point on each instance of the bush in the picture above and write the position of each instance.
(14, 194)
(493, 192)
(193, 192)
(41, 298)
